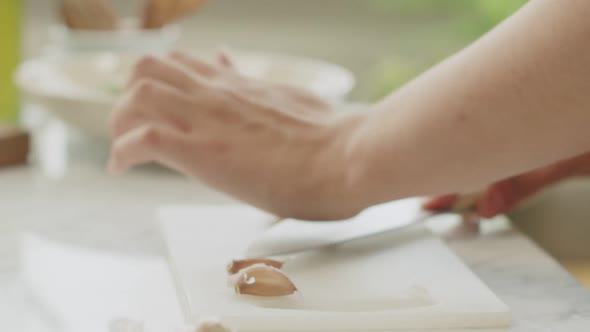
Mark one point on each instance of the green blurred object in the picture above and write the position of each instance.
(450, 25)
(10, 19)
(481, 14)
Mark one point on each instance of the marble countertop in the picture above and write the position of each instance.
(79, 249)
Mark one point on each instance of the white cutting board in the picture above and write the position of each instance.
(398, 281)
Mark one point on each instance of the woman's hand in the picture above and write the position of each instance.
(503, 196)
(276, 147)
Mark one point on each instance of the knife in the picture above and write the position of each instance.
(291, 236)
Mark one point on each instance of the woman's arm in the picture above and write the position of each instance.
(517, 99)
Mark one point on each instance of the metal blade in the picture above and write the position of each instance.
(292, 236)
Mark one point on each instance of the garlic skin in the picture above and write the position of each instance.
(263, 280)
(212, 325)
(237, 265)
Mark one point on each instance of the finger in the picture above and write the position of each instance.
(579, 165)
(150, 101)
(440, 203)
(496, 200)
(503, 196)
(196, 65)
(166, 71)
(149, 143)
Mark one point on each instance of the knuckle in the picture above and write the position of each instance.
(177, 55)
(145, 63)
(150, 135)
(145, 88)
(206, 67)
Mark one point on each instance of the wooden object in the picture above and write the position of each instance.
(14, 145)
(89, 14)
(580, 269)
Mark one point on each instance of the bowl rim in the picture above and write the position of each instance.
(347, 79)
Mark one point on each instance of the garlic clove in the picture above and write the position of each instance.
(239, 264)
(212, 325)
(262, 280)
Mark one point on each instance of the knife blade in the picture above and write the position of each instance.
(292, 236)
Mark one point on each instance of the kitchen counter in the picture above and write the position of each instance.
(79, 249)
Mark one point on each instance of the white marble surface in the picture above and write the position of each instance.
(79, 249)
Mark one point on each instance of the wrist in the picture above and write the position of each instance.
(327, 189)
(353, 184)
(372, 164)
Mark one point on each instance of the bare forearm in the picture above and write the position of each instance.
(517, 99)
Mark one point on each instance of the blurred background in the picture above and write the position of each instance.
(62, 106)
(384, 42)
